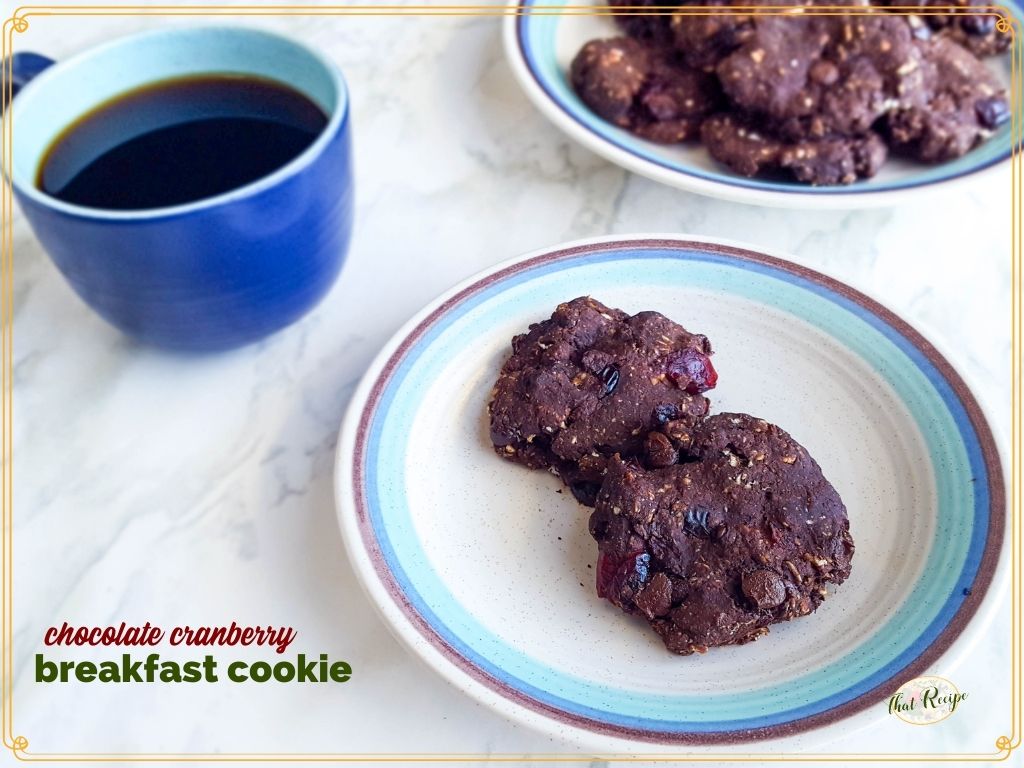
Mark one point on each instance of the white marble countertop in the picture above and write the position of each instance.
(192, 490)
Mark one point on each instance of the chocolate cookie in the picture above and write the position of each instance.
(978, 34)
(753, 151)
(964, 105)
(704, 40)
(819, 98)
(591, 382)
(975, 30)
(746, 533)
(645, 90)
(818, 76)
(647, 27)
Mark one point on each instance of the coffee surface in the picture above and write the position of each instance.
(178, 141)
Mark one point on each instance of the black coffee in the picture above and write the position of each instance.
(179, 140)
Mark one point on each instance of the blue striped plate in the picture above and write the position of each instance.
(541, 46)
(485, 569)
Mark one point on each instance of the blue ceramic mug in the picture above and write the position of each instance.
(218, 272)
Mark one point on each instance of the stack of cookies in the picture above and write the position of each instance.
(710, 527)
(821, 99)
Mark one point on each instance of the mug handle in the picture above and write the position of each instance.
(23, 67)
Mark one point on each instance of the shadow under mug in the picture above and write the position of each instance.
(218, 272)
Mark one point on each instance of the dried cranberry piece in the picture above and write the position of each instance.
(692, 370)
(608, 568)
(992, 112)
(613, 572)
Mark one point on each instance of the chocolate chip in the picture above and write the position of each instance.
(610, 376)
(660, 451)
(992, 112)
(656, 597)
(824, 72)
(764, 589)
(679, 431)
(725, 534)
(696, 521)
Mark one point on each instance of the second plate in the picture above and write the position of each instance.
(540, 47)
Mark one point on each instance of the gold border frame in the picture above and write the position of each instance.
(18, 23)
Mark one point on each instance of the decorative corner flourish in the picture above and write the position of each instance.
(18, 747)
(1005, 744)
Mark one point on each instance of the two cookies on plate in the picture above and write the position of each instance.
(710, 527)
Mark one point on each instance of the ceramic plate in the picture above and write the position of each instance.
(486, 570)
(541, 47)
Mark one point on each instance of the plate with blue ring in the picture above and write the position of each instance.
(486, 569)
(541, 42)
